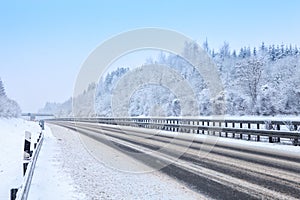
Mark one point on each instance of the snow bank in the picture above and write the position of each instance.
(12, 132)
(50, 181)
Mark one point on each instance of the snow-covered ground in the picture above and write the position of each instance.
(50, 180)
(12, 133)
(284, 118)
(278, 147)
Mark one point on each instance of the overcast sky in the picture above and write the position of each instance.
(44, 43)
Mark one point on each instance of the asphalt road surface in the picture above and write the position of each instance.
(217, 170)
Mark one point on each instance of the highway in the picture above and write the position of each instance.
(216, 169)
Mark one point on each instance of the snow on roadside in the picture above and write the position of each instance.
(50, 181)
(279, 147)
(12, 132)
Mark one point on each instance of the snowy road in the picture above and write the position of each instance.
(66, 170)
(227, 171)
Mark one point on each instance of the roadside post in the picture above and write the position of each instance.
(42, 124)
(27, 152)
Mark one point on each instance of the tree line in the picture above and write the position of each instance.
(262, 80)
(8, 108)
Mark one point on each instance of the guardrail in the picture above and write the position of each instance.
(258, 130)
(23, 192)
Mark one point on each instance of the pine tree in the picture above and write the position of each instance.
(272, 52)
(291, 49)
(296, 51)
(234, 54)
(248, 52)
(282, 50)
(287, 51)
(262, 48)
(205, 46)
(241, 54)
(2, 90)
(213, 54)
(278, 54)
(254, 51)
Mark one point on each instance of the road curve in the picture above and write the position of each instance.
(220, 171)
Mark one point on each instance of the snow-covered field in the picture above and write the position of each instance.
(12, 133)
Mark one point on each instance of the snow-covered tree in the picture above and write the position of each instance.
(254, 51)
(262, 81)
(2, 90)
(205, 46)
(224, 51)
(249, 73)
(263, 48)
(103, 95)
(234, 54)
(8, 108)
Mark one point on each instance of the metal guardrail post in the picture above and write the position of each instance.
(27, 152)
(13, 193)
(24, 191)
(278, 128)
(240, 127)
(27, 143)
(42, 124)
(226, 125)
(30, 158)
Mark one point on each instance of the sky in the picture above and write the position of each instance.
(43, 44)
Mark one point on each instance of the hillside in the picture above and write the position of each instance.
(258, 81)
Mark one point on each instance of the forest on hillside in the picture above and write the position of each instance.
(263, 80)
